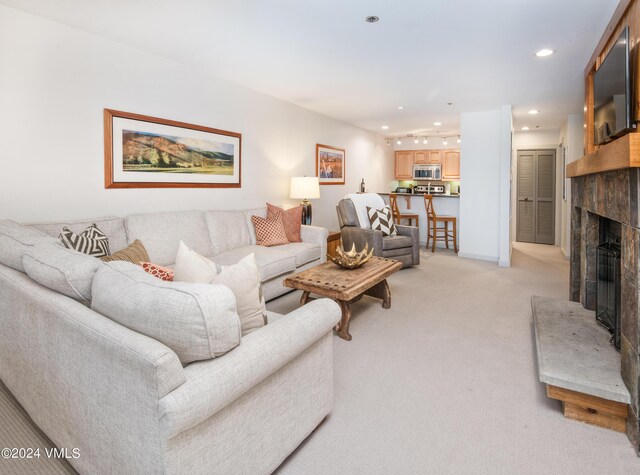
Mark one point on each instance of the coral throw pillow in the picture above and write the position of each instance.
(291, 218)
(270, 232)
(162, 273)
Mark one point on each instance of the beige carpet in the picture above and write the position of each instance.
(443, 382)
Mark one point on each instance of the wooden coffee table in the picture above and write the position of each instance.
(346, 285)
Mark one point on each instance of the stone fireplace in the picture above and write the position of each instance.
(613, 195)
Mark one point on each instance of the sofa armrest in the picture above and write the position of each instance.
(414, 233)
(317, 235)
(359, 236)
(213, 384)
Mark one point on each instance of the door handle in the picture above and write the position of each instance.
(524, 199)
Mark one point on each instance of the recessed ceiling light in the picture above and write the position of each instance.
(385, 127)
(544, 52)
(437, 123)
(400, 107)
(371, 19)
(534, 111)
(525, 128)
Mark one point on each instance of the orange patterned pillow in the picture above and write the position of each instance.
(162, 273)
(291, 218)
(269, 232)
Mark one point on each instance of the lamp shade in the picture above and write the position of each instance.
(304, 187)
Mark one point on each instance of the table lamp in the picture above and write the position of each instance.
(305, 188)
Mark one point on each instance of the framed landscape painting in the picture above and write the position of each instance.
(330, 165)
(148, 152)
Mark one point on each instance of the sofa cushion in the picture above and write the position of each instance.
(91, 241)
(227, 230)
(15, 239)
(112, 226)
(134, 253)
(64, 270)
(197, 321)
(192, 267)
(396, 242)
(162, 232)
(303, 251)
(272, 261)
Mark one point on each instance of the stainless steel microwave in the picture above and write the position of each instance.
(427, 172)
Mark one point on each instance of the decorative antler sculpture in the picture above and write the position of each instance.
(351, 259)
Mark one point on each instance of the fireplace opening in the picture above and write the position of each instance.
(608, 284)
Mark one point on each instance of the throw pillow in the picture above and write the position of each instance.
(270, 232)
(291, 218)
(161, 272)
(243, 279)
(192, 267)
(91, 241)
(382, 220)
(134, 252)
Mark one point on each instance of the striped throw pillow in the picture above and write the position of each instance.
(382, 220)
(91, 241)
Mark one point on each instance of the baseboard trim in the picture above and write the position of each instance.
(566, 255)
(504, 263)
(478, 257)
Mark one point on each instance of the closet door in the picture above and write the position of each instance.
(526, 217)
(536, 196)
(545, 193)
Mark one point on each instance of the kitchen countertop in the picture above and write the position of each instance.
(452, 195)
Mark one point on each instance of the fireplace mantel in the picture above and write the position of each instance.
(616, 155)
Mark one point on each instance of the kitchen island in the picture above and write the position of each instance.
(446, 205)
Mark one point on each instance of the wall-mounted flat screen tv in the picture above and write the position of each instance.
(612, 93)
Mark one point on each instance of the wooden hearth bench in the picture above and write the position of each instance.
(578, 364)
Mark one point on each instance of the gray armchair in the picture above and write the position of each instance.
(403, 247)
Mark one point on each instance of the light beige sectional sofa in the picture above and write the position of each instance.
(126, 400)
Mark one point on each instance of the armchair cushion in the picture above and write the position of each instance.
(396, 242)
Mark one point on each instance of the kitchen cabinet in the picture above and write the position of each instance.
(451, 165)
(404, 165)
(421, 156)
(435, 157)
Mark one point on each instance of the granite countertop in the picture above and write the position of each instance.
(452, 195)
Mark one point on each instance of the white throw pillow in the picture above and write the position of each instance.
(192, 267)
(243, 279)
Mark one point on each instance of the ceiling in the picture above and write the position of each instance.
(322, 55)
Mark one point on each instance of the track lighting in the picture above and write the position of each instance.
(399, 142)
(458, 139)
(425, 141)
(444, 142)
(388, 142)
(416, 140)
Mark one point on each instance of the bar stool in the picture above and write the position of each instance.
(395, 211)
(439, 233)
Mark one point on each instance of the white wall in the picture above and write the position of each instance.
(55, 82)
(506, 137)
(482, 162)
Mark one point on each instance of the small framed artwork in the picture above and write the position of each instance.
(330, 165)
(148, 152)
